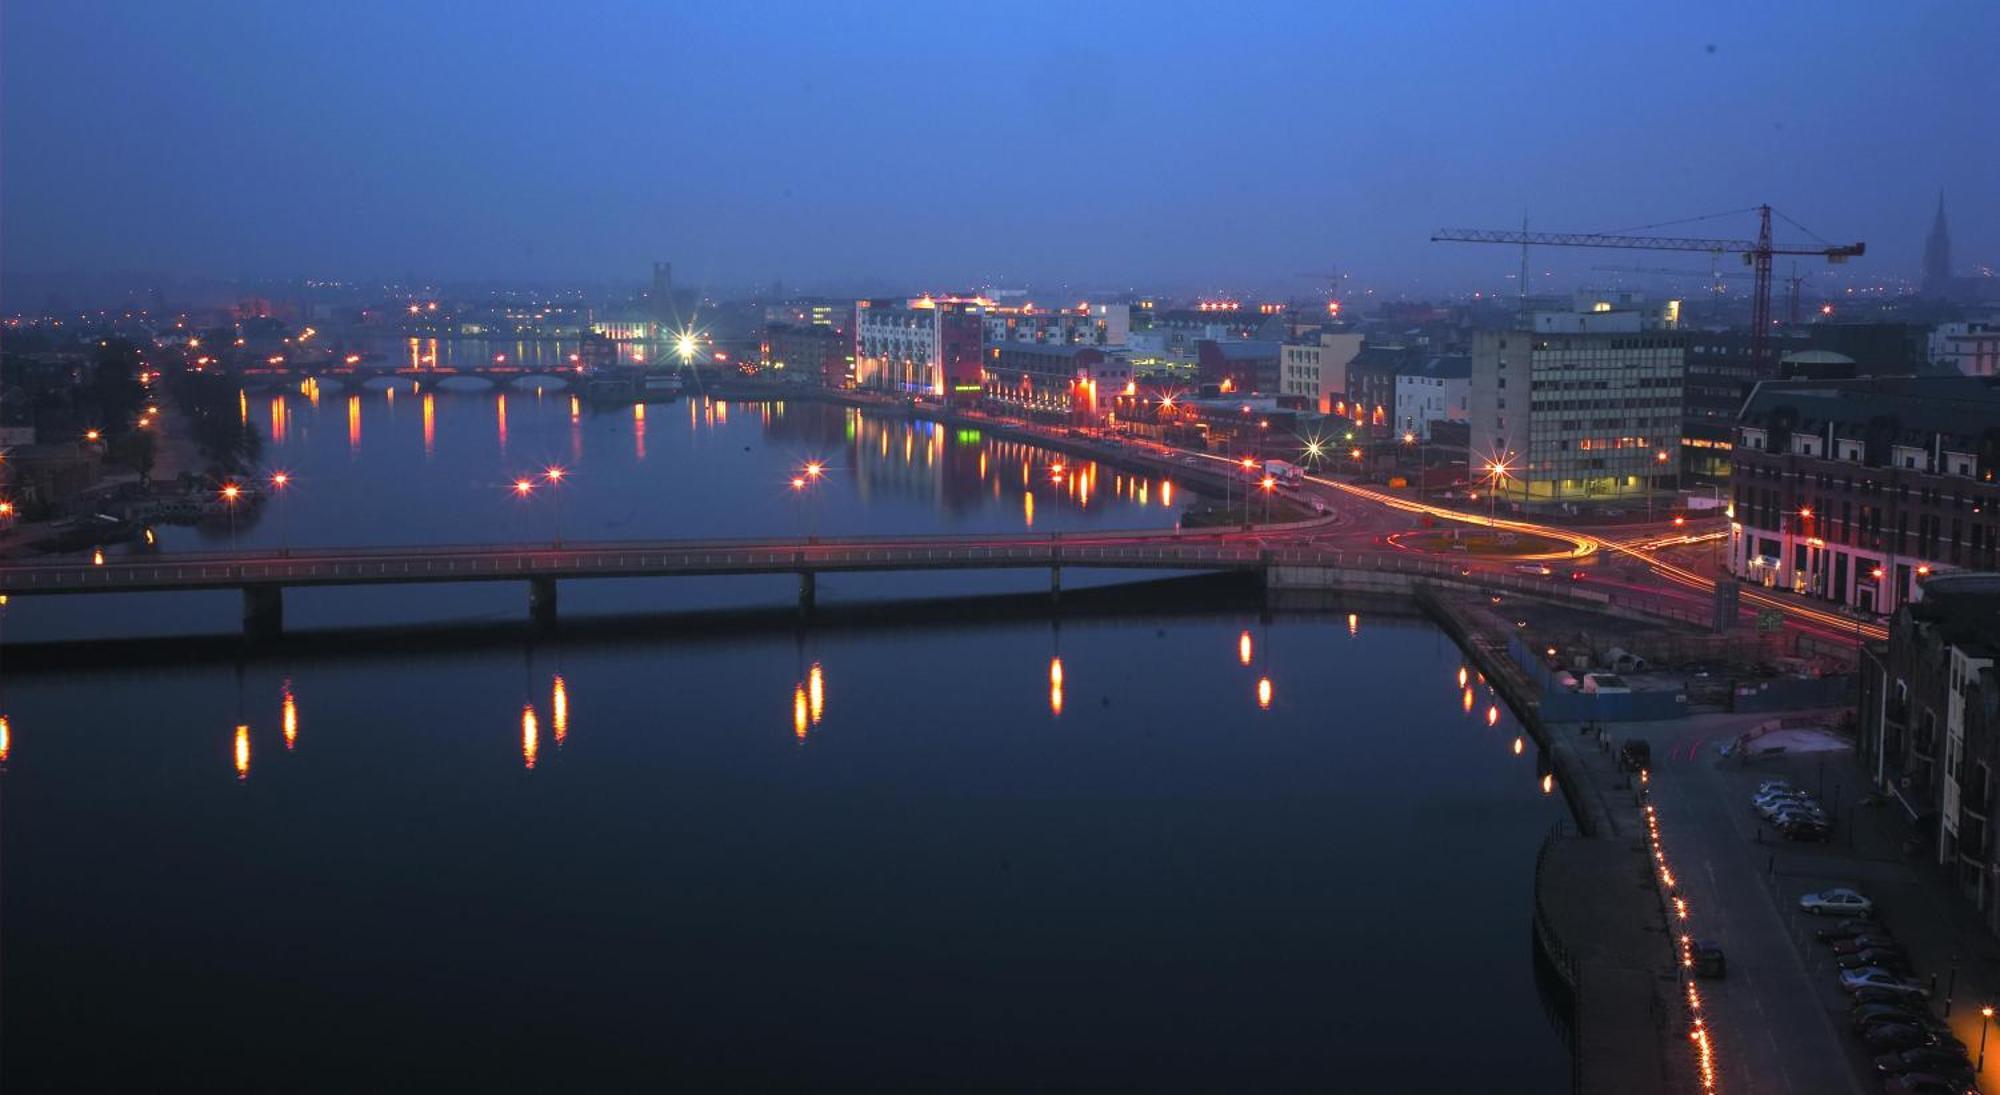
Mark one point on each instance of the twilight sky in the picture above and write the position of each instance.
(1164, 145)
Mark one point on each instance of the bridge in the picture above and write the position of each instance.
(263, 576)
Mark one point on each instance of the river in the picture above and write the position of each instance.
(1178, 851)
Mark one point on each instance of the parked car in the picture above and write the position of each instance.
(1863, 940)
(1848, 930)
(1897, 1036)
(1875, 977)
(1839, 901)
(1918, 1083)
(1945, 1059)
(1908, 1011)
(1771, 807)
(1806, 830)
(1709, 960)
(1893, 960)
(1864, 997)
(1771, 785)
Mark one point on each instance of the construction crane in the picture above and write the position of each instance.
(1756, 254)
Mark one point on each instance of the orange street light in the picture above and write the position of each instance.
(554, 473)
(814, 469)
(92, 435)
(523, 487)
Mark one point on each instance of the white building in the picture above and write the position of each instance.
(1440, 391)
(1312, 369)
(1973, 348)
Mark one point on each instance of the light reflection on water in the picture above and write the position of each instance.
(1028, 843)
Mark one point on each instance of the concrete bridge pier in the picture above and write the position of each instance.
(808, 592)
(263, 611)
(542, 602)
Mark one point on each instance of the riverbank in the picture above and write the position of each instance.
(1597, 914)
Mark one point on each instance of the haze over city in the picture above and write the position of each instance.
(1100, 146)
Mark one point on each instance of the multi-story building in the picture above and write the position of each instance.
(1312, 368)
(1930, 726)
(1972, 348)
(1084, 325)
(1586, 404)
(1855, 491)
(809, 353)
(1439, 391)
(1237, 365)
(1080, 382)
(927, 346)
(1371, 387)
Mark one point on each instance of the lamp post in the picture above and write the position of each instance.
(279, 481)
(524, 488)
(1249, 469)
(1985, 1020)
(554, 474)
(1269, 483)
(807, 479)
(230, 493)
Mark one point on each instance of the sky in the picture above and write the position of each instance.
(1099, 145)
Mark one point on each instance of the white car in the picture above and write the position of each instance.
(1771, 807)
(1540, 570)
(1874, 977)
(1836, 902)
(1773, 786)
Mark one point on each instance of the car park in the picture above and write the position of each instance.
(1839, 901)
(1874, 977)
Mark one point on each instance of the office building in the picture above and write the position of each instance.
(1237, 365)
(1856, 491)
(1585, 404)
(923, 347)
(1073, 382)
(1312, 368)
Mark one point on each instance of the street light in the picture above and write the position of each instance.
(279, 481)
(554, 474)
(230, 493)
(1269, 483)
(1249, 467)
(1985, 1020)
(809, 477)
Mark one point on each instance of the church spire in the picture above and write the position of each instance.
(1937, 253)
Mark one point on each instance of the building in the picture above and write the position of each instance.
(1971, 348)
(1077, 382)
(1237, 366)
(1930, 727)
(809, 353)
(1106, 325)
(1439, 391)
(1312, 368)
(1855, 491)
(1585, 405)
(1371, 388)
(1939, 283)
(927, 346)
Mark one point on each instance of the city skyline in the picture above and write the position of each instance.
(1121, 148)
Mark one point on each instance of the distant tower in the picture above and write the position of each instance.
(663, 293)
(1937, 255)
